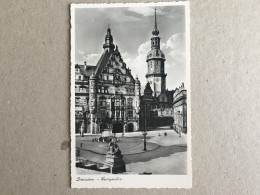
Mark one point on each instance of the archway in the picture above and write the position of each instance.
(117, 128)
(130, 127)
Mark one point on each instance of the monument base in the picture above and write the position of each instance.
(116, 163)
(106, 133)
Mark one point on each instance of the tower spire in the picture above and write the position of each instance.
(109, 40)
(155, 31)
(155, 20)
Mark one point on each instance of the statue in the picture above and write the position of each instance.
(114, 158)
(113, 148)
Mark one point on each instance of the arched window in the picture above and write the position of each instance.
(129, 103)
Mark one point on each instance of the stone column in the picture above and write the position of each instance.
(120, 111)
(125, 127)
(91, 123)
(137, 124)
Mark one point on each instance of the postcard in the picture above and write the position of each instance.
(130, 95)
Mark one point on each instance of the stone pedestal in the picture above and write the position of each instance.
(114, 158)
(106, 133)
(115, 163)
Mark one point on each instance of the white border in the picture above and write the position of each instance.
(131, 181)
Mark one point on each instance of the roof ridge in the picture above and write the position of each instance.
(102, 61)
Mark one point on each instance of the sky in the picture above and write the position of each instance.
(131, 28)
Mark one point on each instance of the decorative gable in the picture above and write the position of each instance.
(116, 71)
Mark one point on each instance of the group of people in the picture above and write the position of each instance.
(104, 139)
(165, 134)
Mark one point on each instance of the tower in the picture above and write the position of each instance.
(137, 101)
(155, 63)
(92, 102)
(109, 46)
(137, 95)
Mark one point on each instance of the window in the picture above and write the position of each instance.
(103, 102)
(130, 114)
(77, 100)
(129, 102)
(103, 114)
(117, 113)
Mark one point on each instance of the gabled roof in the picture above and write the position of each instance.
(102, 62)
(86, 70)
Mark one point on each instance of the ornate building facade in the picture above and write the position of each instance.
(180, 109)
(107, 95)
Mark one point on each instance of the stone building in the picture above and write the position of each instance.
(180, 108)
(107, 95)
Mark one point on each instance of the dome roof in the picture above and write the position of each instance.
(155, 53)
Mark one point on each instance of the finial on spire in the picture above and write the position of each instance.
(155, 31)
(155, 20)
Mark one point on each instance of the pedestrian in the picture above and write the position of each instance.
(81, 144)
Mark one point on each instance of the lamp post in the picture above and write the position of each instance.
(145, 132)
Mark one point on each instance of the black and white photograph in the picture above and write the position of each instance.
(130, 95)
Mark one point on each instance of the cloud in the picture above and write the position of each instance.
(92, 59)
(174, 49)
(145, 11)
(138, 64)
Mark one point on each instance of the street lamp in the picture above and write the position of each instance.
(145, 132)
